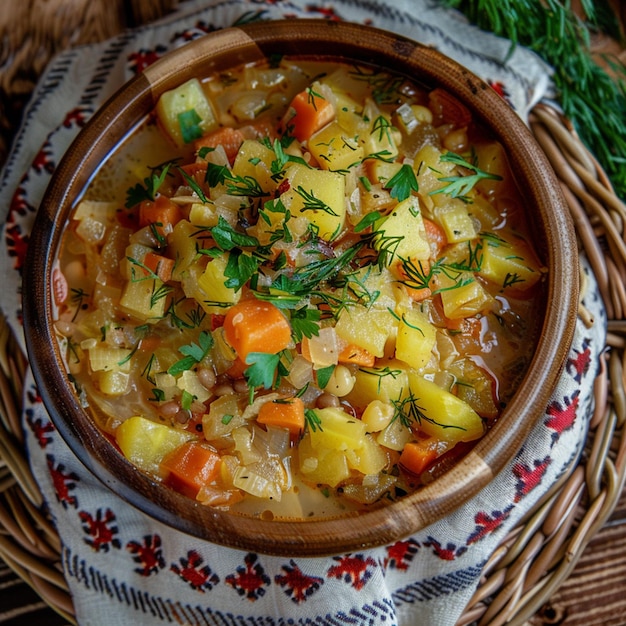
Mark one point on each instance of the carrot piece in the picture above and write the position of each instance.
(190, 466)
(252, 325)
(436, 237)
(287, 414)
(311, 112)
(197, 172)
(229, 138)
(352, 353)
(417, 456)
(159, 265)
(162, 213)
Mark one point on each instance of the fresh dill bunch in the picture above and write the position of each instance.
(591, 98)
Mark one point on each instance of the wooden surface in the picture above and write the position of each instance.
(595, 593)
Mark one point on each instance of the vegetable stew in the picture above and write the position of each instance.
(299, 287)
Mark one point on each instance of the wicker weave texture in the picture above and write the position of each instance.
(541, 552)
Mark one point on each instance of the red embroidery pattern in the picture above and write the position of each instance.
(486, 523)
(529, 477)
(43, 160)
(355, 570)
(40, 428)
(63, 483)
(250, 580)
(400, 554)
(449, 553)
(194, 573)
(147, 554)
(140, 60)
(562, 416)
(76, 117)
(578, 366)
(297, 586)
(100, 531)
(16, 244)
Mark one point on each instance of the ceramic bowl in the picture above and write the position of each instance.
(553, 238)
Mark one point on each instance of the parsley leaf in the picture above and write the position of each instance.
(460, 186)
(189, 123)
(323, 375)
(147, 191)
(402, 183)
(265, 370)
(227, 238)
(193, 353)
(240, 268)
(304, 323)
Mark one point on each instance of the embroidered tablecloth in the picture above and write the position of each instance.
(124, 568)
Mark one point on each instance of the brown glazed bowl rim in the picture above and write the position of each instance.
(228, 48)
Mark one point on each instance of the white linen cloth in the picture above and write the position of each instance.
(124, 568)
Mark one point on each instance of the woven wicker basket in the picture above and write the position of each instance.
(540, 553)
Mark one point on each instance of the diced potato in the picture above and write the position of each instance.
(366, 328)
(183, 245)
(186, 113)
(318, 195)
(385, 384)
(369, 459)
(445, 416)
(338, 430)
(322, 466)
(511, 265)
(415, 339)
(212, 284)
(334, 149)
(402, 234)
(454, 218)
(255, 160)
(203, 215)
(113, 383)
(107, 359)
(144, 299)
(145, 443)
(429, 169)
(464, 297)
(381, 171)
(383, 139)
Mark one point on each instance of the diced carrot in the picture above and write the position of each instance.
(311, 112)
(436, 237)
(352, 353)
(190, 466)
(229, 138)
(287, 414)
(417, 456)
(162, 213)
(237, 369)
(252, 325)
(196, 171)
(450, 109)
(159, 265)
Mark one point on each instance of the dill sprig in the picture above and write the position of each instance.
(591, 98)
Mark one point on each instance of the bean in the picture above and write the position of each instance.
(207, 377)
(327, 400)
